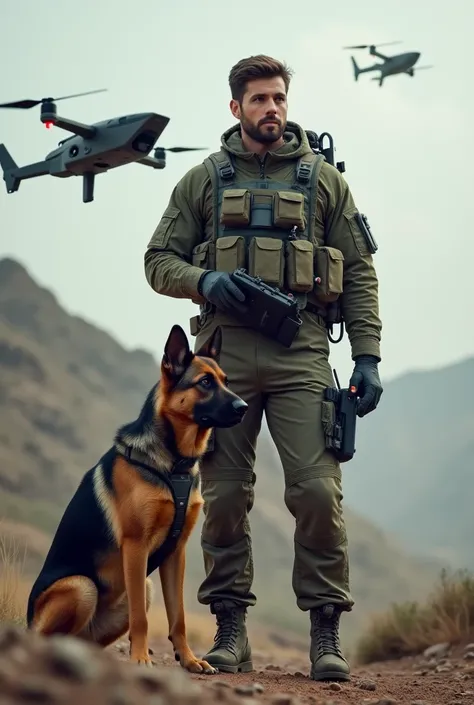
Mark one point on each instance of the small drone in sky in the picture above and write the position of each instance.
(398, 63)
(92, 149)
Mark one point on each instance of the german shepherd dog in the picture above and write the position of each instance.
(123, 521)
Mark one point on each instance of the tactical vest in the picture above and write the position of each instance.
(267, 227)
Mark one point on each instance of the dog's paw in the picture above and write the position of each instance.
(198, 666)
(207, 668)
(141, 659)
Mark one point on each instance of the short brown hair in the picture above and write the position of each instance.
(260, 66)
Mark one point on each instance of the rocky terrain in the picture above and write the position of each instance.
(61, 669)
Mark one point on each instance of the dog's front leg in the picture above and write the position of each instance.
(172, 582)
(134, 554)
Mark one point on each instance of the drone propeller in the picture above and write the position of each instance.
(28, 103)
(181, 149)
(418, 68)
(367, 46)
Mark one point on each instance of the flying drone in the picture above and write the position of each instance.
(399, 63)
(92, 149)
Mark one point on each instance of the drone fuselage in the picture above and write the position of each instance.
(401, 63)
(391, 65)
(112, 143)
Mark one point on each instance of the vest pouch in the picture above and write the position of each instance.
(235, 208)
(266, 260)
(289, 210)
(330, 269)
(230, 253)
(203, 255)
(299, 271)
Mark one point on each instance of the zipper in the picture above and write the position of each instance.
(261, 163)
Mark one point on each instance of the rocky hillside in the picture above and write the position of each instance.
(64, 387)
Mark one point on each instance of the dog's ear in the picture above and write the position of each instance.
(177, 355)
(212, 346)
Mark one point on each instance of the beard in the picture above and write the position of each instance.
(263, 132)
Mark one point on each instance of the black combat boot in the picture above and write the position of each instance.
(231, 651)
(327, 661)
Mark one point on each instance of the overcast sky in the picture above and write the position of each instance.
(408, 148)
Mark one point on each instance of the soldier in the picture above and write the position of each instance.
(265, 201)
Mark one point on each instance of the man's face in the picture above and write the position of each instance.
(263, 110)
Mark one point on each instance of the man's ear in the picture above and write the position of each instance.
(212, 346)
(235, 108)
(177, 355)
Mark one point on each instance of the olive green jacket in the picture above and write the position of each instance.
(187, 221)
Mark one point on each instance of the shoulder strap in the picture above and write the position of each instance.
(307, 173)
(220, 168)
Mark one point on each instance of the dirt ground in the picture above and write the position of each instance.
(63, 670)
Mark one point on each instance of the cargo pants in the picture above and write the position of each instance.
(287, 385)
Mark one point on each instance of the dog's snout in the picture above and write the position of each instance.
(221, 411)
(239, 406)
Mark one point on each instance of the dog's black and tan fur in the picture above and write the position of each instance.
(94, 583)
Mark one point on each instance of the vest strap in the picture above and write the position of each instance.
(180, 482)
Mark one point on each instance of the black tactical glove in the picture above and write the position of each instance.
(365, 378)
(219, 289)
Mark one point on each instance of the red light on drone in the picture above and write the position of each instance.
(48, 124)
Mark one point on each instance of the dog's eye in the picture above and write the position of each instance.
(206, 382)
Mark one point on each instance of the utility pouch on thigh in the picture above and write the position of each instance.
(328, 419)
(338, 417)
(203, 255)
(299, 271)
(230, 253)
(235, 208)
(288, 210)
(266, 260)
(329, 273)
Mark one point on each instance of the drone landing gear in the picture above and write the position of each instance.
(88, 187)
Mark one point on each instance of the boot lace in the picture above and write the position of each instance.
(325, 628)
(227, 631)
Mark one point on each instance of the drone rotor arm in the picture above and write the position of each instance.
(154, 162)
(77, 128)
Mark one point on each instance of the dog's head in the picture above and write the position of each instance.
(194, 388)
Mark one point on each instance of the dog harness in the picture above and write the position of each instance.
(180, 482)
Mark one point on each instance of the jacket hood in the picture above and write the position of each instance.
(295, 146)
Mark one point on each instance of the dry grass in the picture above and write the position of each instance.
(12, 560)
(410, 627)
